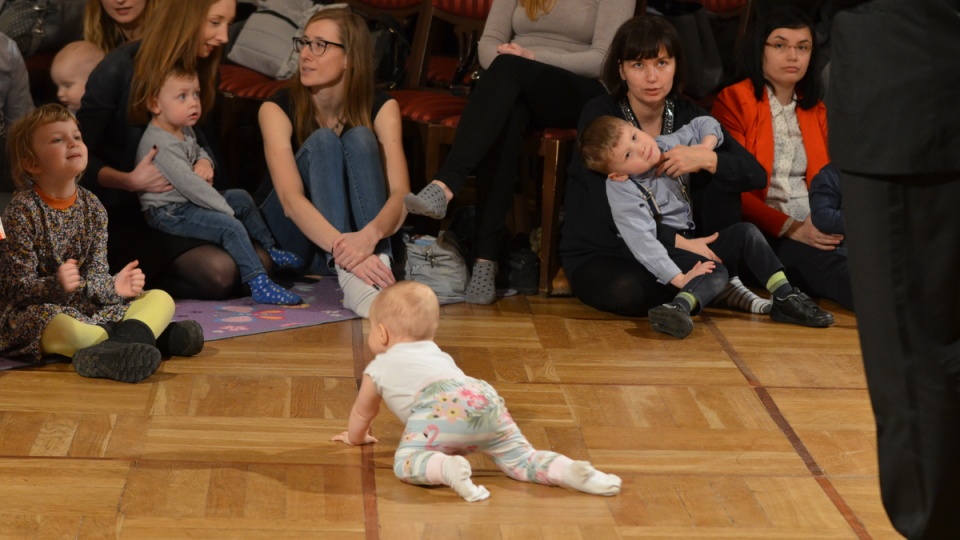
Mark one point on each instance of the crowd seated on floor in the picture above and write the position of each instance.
(335, 183)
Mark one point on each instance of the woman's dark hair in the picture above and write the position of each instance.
(810, 88)
(640, 38)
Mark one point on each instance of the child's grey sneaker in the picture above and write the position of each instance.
(671, 319)
(117, 360)
(482, 288)
(430, 202)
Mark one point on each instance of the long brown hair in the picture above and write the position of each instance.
(104, 32)
(172, 36)
(358, 46)
(536, 8)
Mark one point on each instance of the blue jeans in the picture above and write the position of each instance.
(233, 233)
(343, 178)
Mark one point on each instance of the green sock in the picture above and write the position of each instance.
(778, 285)
(686, 300)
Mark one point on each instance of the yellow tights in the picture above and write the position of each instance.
(66, 335)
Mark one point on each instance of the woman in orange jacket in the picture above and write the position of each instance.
(777, 114)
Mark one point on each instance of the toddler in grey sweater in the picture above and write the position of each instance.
(193, 208)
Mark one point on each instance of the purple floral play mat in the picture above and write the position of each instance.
(240, 317)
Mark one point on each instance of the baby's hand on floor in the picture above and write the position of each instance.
(345, 439)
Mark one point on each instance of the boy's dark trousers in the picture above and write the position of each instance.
(738, 243)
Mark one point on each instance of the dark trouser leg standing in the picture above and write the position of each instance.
(904, 237)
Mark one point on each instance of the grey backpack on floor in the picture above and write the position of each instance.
(438, 264)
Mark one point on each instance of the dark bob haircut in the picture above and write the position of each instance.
(810, 88)
(640, 38)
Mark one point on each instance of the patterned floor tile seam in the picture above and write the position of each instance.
(730, 351)
(811, 463)
(844, 509)
(371, 518)
(780, 420)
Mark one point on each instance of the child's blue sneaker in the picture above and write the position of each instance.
(265, 291)
(285, 259)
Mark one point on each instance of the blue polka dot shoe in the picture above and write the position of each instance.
(265, 291)
(285, 259)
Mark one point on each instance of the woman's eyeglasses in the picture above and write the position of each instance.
(317, 46)
(780, 47)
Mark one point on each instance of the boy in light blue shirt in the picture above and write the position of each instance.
(653, 216)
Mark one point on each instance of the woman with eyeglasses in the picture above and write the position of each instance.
(189, 33)
(777, 113)
(335, 159)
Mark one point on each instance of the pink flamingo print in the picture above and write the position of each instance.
(432, 431)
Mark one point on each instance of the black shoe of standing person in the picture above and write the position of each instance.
(117, 360)
(671, 318)
(798, 308)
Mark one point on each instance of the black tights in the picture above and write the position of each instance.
(206, 272)
(512, 95)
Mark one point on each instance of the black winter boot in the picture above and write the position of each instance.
(117, 360)
(181, 338)
(133, 331)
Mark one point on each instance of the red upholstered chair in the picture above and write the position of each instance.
(553, 147)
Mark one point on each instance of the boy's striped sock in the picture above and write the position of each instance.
(736, 295)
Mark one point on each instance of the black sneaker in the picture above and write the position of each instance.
(672, 319)
(112, 359)
(524, 272)
(798, 308)
(181, 338)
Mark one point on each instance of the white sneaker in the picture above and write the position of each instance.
(357, 295)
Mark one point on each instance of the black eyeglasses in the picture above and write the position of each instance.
(317, 46)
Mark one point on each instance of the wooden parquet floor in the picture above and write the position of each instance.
(746, 429)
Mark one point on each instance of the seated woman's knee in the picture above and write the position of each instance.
(360, 138)
(241, 197)
(207, 271)
(623, 295)
(320, 141)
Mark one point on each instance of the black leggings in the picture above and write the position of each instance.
(625, 287)
(511, 96)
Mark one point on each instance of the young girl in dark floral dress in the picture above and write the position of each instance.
(56, 295)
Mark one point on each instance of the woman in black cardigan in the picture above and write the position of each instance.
(191, 32)
(643, 73)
